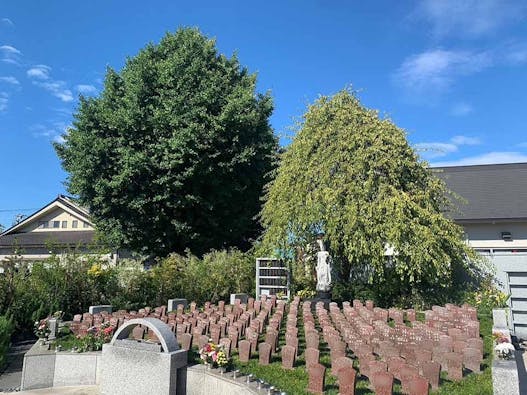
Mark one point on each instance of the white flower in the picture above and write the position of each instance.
(504, 349)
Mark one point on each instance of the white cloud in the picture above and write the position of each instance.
(470, 18)
(57, 89)
(460, 109)
(439, 149)
(436, 150)
(86, 89)
(59, 139)
(10, 50)
(40, 74)
(9, 54)
(4, 99)
(437, 69)
(10, 80)
(485, 159)
(54, 131)
(465, 140)
(40, 71)
(7, 22)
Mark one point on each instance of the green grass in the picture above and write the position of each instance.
(67, 342)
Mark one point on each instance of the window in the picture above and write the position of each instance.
(86, 224)
(74, 223)
(56, 224)
(42, 224)
(64, 224)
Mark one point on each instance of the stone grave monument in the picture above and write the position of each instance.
(135, 367)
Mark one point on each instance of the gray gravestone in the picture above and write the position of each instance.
(499, 316)
(99, 308)
(242, 297)
(173, 304)
(53, 325)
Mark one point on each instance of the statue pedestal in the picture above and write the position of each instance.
(322, 296)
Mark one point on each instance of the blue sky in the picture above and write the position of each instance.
(452, 73)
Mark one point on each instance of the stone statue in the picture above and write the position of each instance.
(323, 268)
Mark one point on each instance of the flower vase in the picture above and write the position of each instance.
(41, 341)
(222, 370)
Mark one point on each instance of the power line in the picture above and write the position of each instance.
(18, 210)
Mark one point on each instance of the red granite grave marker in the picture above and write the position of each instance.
(316, 379)
(244, 349)
(382, 383)
(347, 380)
(288, 357)
(264, 351)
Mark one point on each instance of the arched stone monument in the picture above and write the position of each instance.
(139, 367)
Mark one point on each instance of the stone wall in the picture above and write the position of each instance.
(201, 381)
(43, 368)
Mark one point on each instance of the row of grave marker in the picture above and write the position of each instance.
(448, 340)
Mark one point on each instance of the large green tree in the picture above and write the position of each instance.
(174, 152)
(352, 175)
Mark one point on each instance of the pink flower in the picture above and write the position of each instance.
(215, 357)
(108, 330)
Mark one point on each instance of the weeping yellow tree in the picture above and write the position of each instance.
(353, 176)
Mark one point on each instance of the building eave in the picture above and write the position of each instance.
(60, 201)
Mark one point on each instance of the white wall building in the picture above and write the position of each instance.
(494, 217)
(60, 225)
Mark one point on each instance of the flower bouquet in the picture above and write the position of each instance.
(504, 349)
(96, 337)
(214, 355)
(42, 330)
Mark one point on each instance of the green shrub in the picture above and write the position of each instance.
(487, 297)
(72, 282)
(212, 278)
(6, 329)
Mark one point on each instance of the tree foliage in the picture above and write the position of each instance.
(353, 176)
(174, 152)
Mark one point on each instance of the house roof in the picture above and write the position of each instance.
(62, 201)
(493, 192)
(40, 239)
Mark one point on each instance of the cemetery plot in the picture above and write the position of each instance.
(385, 348)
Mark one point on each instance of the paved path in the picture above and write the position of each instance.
(11, 377)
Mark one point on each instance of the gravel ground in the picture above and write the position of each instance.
(11, 377)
